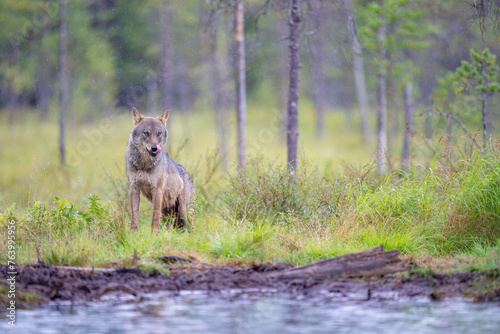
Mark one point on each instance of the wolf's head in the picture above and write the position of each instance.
(149, 133)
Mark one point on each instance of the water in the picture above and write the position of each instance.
(192, 312)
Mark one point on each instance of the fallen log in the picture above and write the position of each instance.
(71, 268)
(369, 262)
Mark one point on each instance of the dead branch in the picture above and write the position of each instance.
(462, 125)
(38, 255)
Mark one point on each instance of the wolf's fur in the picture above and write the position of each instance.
(164, 182)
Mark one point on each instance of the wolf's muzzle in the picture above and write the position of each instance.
(155, 150)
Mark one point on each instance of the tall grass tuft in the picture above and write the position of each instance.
(268, 191)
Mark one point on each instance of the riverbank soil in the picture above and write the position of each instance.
(80, 284)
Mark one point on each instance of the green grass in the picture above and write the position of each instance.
(444, 207)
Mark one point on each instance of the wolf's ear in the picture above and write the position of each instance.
(163, 118)
(136, 116)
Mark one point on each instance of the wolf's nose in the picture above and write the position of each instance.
(154, 148)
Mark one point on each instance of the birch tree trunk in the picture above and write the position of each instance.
(382, 99)
(408, 101)
(294, 88)
(359, 72)
(63, 80)
(241, 98)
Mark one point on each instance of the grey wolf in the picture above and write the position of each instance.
(151, 171)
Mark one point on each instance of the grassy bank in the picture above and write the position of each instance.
(444, 210)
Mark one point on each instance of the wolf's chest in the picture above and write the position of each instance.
(170, 184)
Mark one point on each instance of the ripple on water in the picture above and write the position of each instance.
(237, 312)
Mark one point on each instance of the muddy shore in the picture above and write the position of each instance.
(57, 283)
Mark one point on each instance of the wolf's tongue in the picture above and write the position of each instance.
(158, 150)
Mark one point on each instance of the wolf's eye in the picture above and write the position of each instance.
(146, 133)
(158, 134)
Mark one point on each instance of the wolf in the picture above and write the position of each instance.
(151, 171)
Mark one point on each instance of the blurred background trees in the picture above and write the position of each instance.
(358, 57)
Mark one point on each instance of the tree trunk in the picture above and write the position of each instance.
(44, 84)
(382, 100)
(241, 95)
(487, 120)
(359, 73)
(165, 59)
(63, 80)
(293, 91)
(216, 83)
(408, 100)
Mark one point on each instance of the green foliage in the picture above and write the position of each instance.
(17, 32)
(403, 16)
(96, 211)
(464, 93)
(61, 216)
(479, 75)
(249, 241)
(406, 21)
(91, 59)
(393, 31)
(68, 253)
(489, 258)
(271, 192)
(7, 216)
(445, 209)
(404, 237)
(470, 81)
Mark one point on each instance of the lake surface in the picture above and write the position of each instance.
(192, 312)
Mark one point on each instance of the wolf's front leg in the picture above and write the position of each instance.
(135, 198)
(157, 206)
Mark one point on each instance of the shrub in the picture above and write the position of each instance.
(62, 216)
(269, 191)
